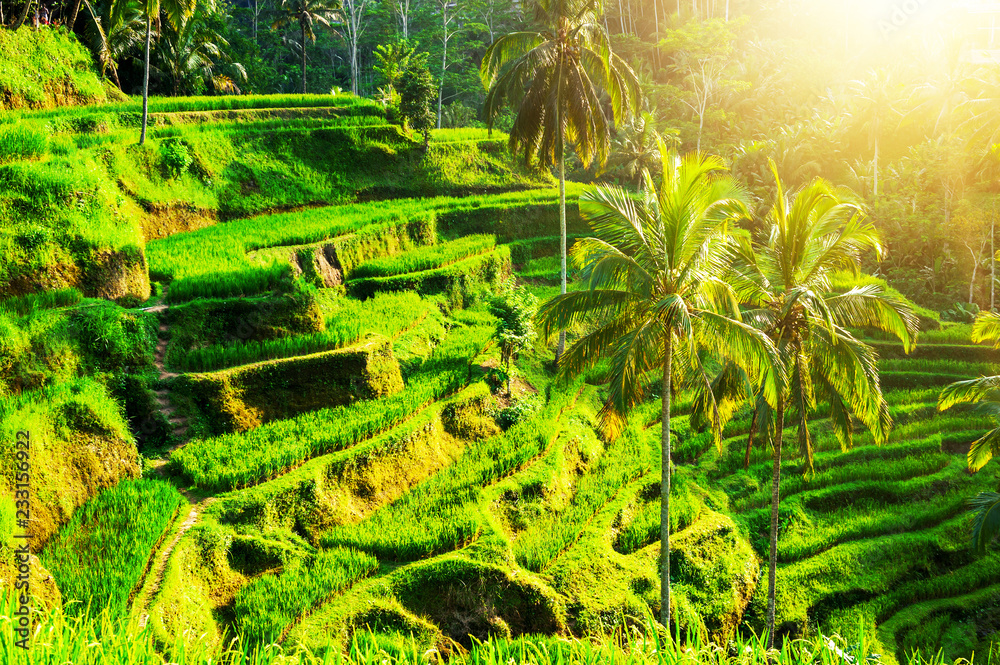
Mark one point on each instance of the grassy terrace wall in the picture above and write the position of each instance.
(461, 280)
(241, 399)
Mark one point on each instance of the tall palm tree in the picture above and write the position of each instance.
(786, 280)
(653, 286)
(558, 79)
(305, 14)
(177, 11)
(985, 391)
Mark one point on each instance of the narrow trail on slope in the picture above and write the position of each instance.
(179, 424)
(153, 582)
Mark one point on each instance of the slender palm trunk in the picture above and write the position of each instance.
(303, 59)
(665, 493)
(71, 21)
(876, 168)
(145, 77)
(24, 15)
(562, 241)
(753, 431)
(772, 569)
(562, 207)
(993, 261)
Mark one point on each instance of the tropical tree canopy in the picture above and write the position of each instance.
(558, 79)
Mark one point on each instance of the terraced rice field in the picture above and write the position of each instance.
(414, 514)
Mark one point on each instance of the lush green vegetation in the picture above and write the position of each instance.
(101, 555)
(266, 608)
(425, 258)
(296, 250)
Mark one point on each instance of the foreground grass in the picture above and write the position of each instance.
(59, 638)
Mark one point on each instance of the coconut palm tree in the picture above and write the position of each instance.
(652, 283)
(786, 281)
(305, 14)
(177, 11)
(558, 79)
(195, 48)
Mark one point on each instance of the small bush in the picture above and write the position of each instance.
(175, 157)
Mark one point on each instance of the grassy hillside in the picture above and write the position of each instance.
(47, 69)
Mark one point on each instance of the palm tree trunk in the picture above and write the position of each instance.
(23, 17)
(753, 430)
(145, 77)
(772, 569)
(665, 492)
(562, 204)
(303, 59)
(876, 169)
(71, 21)
(562, 240)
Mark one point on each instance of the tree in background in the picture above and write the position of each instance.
(355, 24)
(652, 277)
(876, 96)
(451, 24)
(515, 308)
(304, 14)
(196, 49)
(787, 282)
(557, 79)
(391, 61)
(177, 12)
(416, 93)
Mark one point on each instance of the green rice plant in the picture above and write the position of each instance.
(100, 556)
(445, 511)
(425, 258)
(388, 314)
(979, 353)
(918, 379)
(194, 261)
(872, 566)
(624, 461)
(932, 366)
(896, 463)
(268, 606)
(20, 142)
(462, 280)
(238, 460)
(104, 639)
(869, 519)
(950, 333)
(686, 502)
(25, 305)
(981, 572)
(238, 283)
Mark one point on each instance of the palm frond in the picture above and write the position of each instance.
(986, 328)
(869, 306)
(987, 525)
(973, 390)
